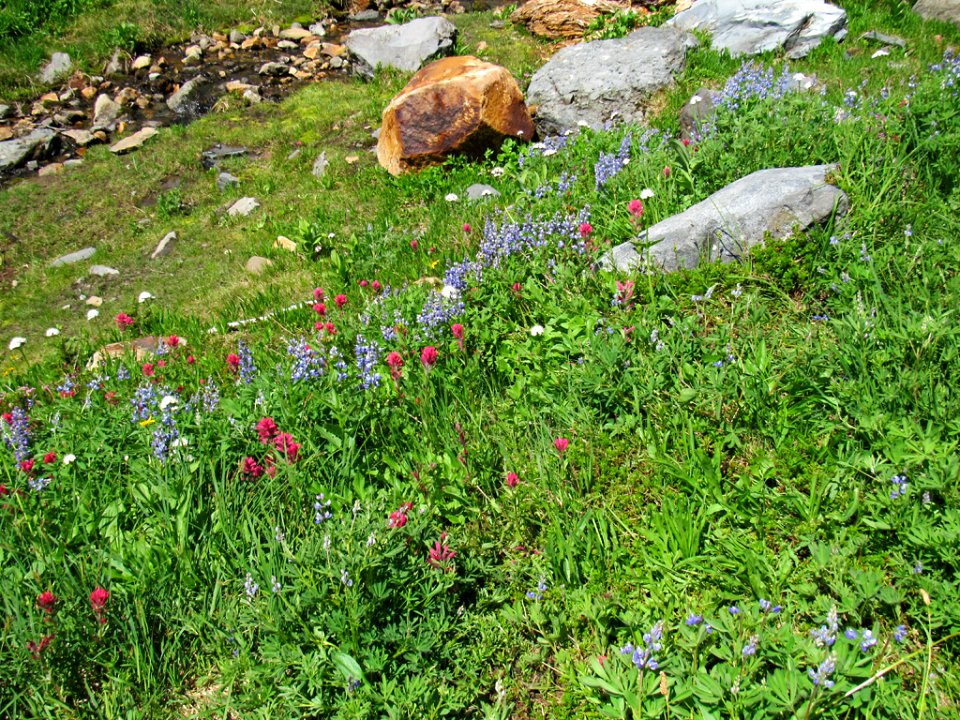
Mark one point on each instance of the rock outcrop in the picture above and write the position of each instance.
(401, 47)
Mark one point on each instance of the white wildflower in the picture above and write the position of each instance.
(16, 342)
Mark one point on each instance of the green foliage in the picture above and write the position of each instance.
(23, 17)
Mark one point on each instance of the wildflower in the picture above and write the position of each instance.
(322, 507)
(900, 634)
(516, 287)
(693, 620)
(585, 229)
(414, 244)
(646, 194)
(821, 675)
(250, 587)
(69, 458)
(751, 647)
(512, 480)
(233, 362)
(561, 444)
(251, 468)
(918, 568)
(451, 197)
(47, 601)
(91, 314)
(635, 208)
(340, 300)
(172, 341)
(274, 584)
(98, 603)
(266, 430)
(537, 595)
(666, 171)
(395, 362)
(398, 518)
(765, 605)
(440, 555)
(27, 465)
(643, 657)
(245, 364)
(50, 457)
(144, 296)
(36, 649)
(52, 332)
(39, 484)
(376, 286)
(850, 634)
(868, 641)
(826, 635)
(466, 227)
(285, 445)
(123, 321)
(345, 578)
(900, 481)
(318, 294)
(428, 356)
(320, 309)
(733, 610)
(537, 330)
(16, 343)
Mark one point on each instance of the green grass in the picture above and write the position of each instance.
(720, 451)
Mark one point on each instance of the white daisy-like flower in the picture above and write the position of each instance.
(91, 314)
(452, 197)
(16, 342)
(536, 330)
(51, 332)
(144, 296)
(450, 292)
(695, 99)
(646, 193)
(69, 458)
(497, 171)
(167, 401)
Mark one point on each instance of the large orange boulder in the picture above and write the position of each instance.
(458, 105)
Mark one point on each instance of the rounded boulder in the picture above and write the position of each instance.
(454, 106)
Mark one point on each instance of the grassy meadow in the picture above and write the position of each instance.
(450, 469)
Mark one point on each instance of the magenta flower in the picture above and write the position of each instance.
(561, 444)
(98, 602)
(512, 480)
(440, 555)
(635, 208)
(318, 294)
(585, 229)
(124, 321)
(340, 300)
(428, 356)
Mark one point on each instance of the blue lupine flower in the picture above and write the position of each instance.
(850, 634)
(693, 620)
(308, 364)
(733, 610)
(322, 508)
(250, 587)
(868, 641)
(821, 675)
(16, 434)
(900, 481)
(900, 634)
(751, 647)
(367, 356)
(247, 367)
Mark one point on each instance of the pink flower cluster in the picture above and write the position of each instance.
(282, 444)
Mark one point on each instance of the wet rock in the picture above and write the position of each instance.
(134, 141)
(775, 202)
(318, 29)
(212, 157)
(252, 96)
(180, 101)
(36, 145)
(556, 19)
(235, 86)
(946, 10)
(257, 265)
(226, 180)
(243, 207)
(74, 257)
(141, 63)
(274, 69)
(193, 55)
(80, 138)
(105, 112)
(287, 45)
(369, 15)
(51, 169)
(320, 165)
(103, 270)
(458, 105)
(5, 111)
(295, 33)
(5, 133)
(401, 47)
(750, 27)
(237, 37)
(69, 117)
(589, 83)
(58, 66)
(115, 66)
(164, 246)
(479, 191)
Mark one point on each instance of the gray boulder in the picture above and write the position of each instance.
(105, 111)
(180, 101)
(775, 202)
(401, 47)
(590, 83)
(946, 10)
(58, 66)
(35, 146)
(74, 257)
(750, 27)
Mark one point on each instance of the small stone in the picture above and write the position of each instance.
(273, 68)
(211, 158)
(287, 45)
(251, 43)
(257, 265)
(5, 133)
(105, 112)
(51, 169)
(285, 243)
(884, 39)
(320, 165)
(369, 15)
(193, 55)
(311, 53)
(352, 159)
(133, 141)
(58, 66)
(95, 301)
(88, 92)
(180, 101)
(72, 162)
(294, 33)
(114, 67)
(226, 180)
(479, 191)
(48, 99)
(164, 246)
(237, 37)
(294, 154)
(235, 86)
(103, 270)
(243, 207)
(5, 111)
(252, 96)
(74, 257)
(141, 63)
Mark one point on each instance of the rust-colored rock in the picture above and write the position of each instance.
(454, 106)
(141, 348)
(556, 19)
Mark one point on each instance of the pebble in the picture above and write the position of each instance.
(74, 257)
(256, 265)
(103, 270)
(244, 206)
